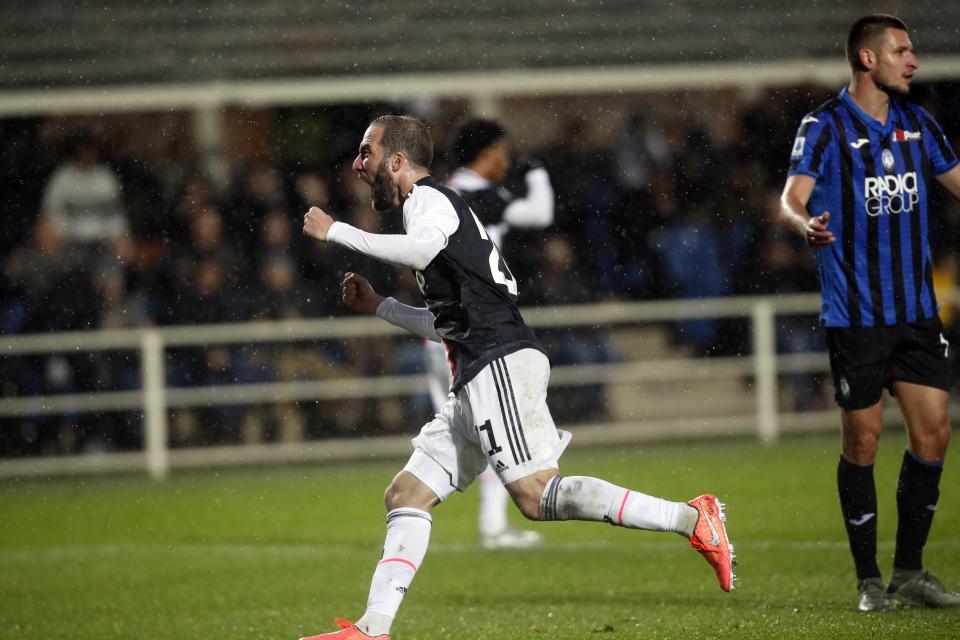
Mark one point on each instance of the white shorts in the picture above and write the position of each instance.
(500, 417)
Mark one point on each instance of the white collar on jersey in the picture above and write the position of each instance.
(465, 180)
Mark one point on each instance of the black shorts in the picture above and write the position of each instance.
(865, 360)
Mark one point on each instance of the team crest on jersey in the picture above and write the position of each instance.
(900, 135)
(887, 158)
(798, 147)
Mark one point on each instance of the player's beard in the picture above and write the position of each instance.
(382, 189)
(892, 90)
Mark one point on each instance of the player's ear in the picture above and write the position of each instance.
(397, 161)
(868, 58)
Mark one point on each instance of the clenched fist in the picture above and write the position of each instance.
(316, 223)
(359, 295)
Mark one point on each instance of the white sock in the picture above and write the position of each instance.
(493, 503)
(408, 535)
(585, 498)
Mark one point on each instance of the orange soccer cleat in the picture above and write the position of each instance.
(348, 631)
(710, 539)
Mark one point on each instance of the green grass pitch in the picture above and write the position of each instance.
(279, 552)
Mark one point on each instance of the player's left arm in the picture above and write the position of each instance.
(951, 181)
(359, 295)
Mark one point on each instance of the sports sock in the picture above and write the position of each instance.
(408, 535)
(493, 503)
(858, 503)
(917, 494)
(585, 498)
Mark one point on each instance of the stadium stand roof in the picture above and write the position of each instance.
(93, 43)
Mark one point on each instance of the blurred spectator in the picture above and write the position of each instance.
(562, 284)
(585, 195)
(118, 307)
(639, 153)
(689, 252)
(204, 298)
(194, 196)
(82, 199)
(260, 190)
(206, 247)
(785, 266)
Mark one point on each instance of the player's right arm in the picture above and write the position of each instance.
(359, 295)
(811, 147)
(413, 249)
(793, 211)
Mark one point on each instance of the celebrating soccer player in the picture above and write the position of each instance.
(482, 151)
(497, 412)
(858, 187)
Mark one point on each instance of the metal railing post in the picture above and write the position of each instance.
(153, 371)
(765, 370)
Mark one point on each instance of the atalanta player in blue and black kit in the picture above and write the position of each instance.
(861, 172)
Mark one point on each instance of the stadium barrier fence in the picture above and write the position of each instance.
(763, 365)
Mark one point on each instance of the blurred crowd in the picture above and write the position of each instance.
(97, 238)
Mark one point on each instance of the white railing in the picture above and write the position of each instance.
(154, 399)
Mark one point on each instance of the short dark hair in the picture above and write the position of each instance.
(407, 134)
(864, 31)
(473, 136)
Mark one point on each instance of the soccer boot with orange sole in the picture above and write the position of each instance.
(348, 631)
(710, 539)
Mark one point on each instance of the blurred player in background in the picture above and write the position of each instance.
(497, 412)
(859, 179)
(483, 155)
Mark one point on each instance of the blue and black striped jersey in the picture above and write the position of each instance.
(874, 179)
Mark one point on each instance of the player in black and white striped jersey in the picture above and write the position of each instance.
(482, 151)
(497, 413)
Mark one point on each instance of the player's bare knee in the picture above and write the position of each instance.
(398, 494)
(529, 506)
(861, 451)
(932, 443)
(860, 445)
(392, 496)
(407, 491)
(527, 492)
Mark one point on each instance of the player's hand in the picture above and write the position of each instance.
(316, 223)
(815, 232)
(359, 295)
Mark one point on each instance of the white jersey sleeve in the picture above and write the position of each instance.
(429, 220)
(536, 209)
(416, 320)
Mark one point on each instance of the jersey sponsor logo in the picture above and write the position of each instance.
(798, 147)
(900, 135)
(860, 142)
(893, 194)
